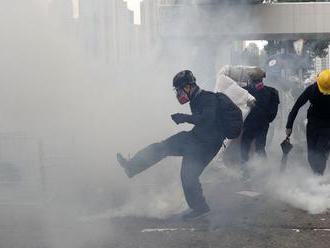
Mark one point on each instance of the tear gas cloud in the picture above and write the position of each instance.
(71, 115)
(78, 112)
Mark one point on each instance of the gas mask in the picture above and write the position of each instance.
(182, 96)
(259, 86)
(255, 86)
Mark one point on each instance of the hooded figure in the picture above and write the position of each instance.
(257, 122)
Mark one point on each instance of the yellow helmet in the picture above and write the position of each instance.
(323, 81)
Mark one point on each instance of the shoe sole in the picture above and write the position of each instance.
(123, 165)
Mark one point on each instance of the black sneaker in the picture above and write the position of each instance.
(124, 163)
(196, 214)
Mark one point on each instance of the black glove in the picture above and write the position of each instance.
(179, 118)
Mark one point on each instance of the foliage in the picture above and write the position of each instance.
(312, 48)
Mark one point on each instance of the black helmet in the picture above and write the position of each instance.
(183, 78)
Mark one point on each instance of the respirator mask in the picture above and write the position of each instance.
(182, 96)
(259, 86)
(255, 86)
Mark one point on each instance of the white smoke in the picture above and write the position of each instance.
(301, 189)
(84, 110)
(296, 186)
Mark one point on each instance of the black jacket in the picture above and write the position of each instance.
(265, 110)
(319, 110)
(204, 106)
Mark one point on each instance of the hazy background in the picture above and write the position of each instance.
(65, 114)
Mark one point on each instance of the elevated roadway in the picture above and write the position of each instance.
(248, 22)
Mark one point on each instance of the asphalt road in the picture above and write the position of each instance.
(236, 220)
(240, 221)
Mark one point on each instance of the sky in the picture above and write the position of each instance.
(75, 4)
(134, 5)
(260, 43)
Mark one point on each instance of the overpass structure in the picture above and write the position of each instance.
(307, 20)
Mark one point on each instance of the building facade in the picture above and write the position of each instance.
(322, 63)
(105, 29)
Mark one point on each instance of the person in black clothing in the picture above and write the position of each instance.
(318, 126)
(196, 147)
(256, 124)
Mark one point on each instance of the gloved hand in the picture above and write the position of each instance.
(179, 118)
(288, 132)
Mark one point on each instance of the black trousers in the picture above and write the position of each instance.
(196, 156)
(250, 134)
(318, 145)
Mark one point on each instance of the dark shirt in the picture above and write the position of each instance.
(319, 110)
(203, 105)
(265, 109)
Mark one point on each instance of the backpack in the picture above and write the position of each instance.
(229, 117)
(274, 101)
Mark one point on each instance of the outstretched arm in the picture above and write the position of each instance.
(207, 116)
(302, 99)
